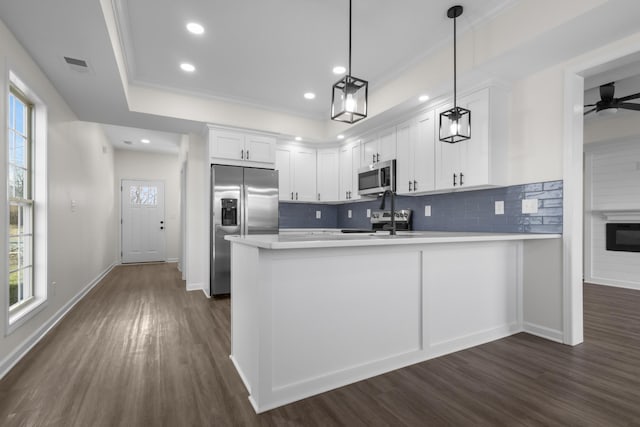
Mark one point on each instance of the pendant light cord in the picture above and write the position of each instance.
(454, 62)
(349, 38)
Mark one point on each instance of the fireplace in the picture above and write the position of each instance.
(623, 237)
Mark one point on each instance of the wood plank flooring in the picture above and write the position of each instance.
(141, 351)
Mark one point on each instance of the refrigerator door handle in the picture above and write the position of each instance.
(243, 197)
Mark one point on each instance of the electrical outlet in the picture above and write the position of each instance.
(529, 206)
(368, 213)
(427, 210)
(349, 213)
(499, 207)
(318, 214)
(74, 205)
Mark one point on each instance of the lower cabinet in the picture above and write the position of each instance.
(297, 173)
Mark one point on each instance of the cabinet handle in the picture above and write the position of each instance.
(373, 158)
(247, 154)
(318, 196)
(378, 157)
(296, 195)
(415, 185)
(455, 176)
(461, 175)
(292, 195)
(409, 185)
(349, 194)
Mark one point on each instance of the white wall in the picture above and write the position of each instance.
(81, 243)
(154, 167)
(612, 182)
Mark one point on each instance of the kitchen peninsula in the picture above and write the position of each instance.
(310, 313)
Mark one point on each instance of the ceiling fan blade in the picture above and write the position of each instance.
(628, 106)
(607, 91)
(590, 111)
(629, 97)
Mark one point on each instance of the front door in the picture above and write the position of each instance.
(143, 225)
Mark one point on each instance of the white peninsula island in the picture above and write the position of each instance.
(310, 313)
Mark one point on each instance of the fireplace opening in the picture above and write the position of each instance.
(623, 237)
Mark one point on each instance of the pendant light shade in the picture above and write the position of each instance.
(349, 97)
(455, 123)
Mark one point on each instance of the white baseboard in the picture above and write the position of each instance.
(612, 282)
(172, 260)
(12, 359)
(543, 332)
(194, 286)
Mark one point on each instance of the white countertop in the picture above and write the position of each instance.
(328, 240)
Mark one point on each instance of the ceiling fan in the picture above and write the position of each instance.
(608, 102)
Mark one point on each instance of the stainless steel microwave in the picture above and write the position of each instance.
(377, 178)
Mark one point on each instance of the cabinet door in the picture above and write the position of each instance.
(404, 161)
(387, 145)
(260, 148)
(423, 154)
(346, 171)
(355, 165)
(283, 166)
(474, 161)
(304, 174)
(447, 159)
(369, 150)
(227, 145)
(328, 181)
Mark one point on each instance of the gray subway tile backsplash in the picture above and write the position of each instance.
(460, 211)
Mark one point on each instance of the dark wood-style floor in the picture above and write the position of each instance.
(140, 351)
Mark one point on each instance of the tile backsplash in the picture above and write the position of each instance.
(459, 211)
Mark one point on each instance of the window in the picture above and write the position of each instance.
(21, 204)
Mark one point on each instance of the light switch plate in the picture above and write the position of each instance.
(499, 207)
(530, 206)
(318, 214)
(349, 213)
(368, 213)
(427, 210)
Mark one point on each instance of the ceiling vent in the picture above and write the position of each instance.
(79, 65)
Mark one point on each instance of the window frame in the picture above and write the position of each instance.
(25, 201)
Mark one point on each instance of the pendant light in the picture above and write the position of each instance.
(349, 98)
(455, 124)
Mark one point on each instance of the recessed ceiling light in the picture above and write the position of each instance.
(298, 138)
(339, 69)
(341, 136)
(309, 95)
(145, 141)
(423, 98)
(189, 68)
(195, 28)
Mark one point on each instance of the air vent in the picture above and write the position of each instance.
(76, 64)
(127, 142)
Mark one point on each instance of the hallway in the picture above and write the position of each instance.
(140, 351)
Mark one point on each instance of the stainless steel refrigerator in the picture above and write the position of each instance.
(243, 201)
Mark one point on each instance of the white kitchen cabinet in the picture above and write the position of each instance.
(239, 148)
(328, 172)
(297, 173)
(415, 161)
(349, 163)
(481, 160)
(379, 147)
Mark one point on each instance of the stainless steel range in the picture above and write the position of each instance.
(381, 220)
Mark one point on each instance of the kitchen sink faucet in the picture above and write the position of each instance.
(393, 209)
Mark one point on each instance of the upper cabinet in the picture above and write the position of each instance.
(239, 148)
(349, 163)
(328, 182)
(481, 160)
(415, 161)
(297, 173)
(379, 147)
